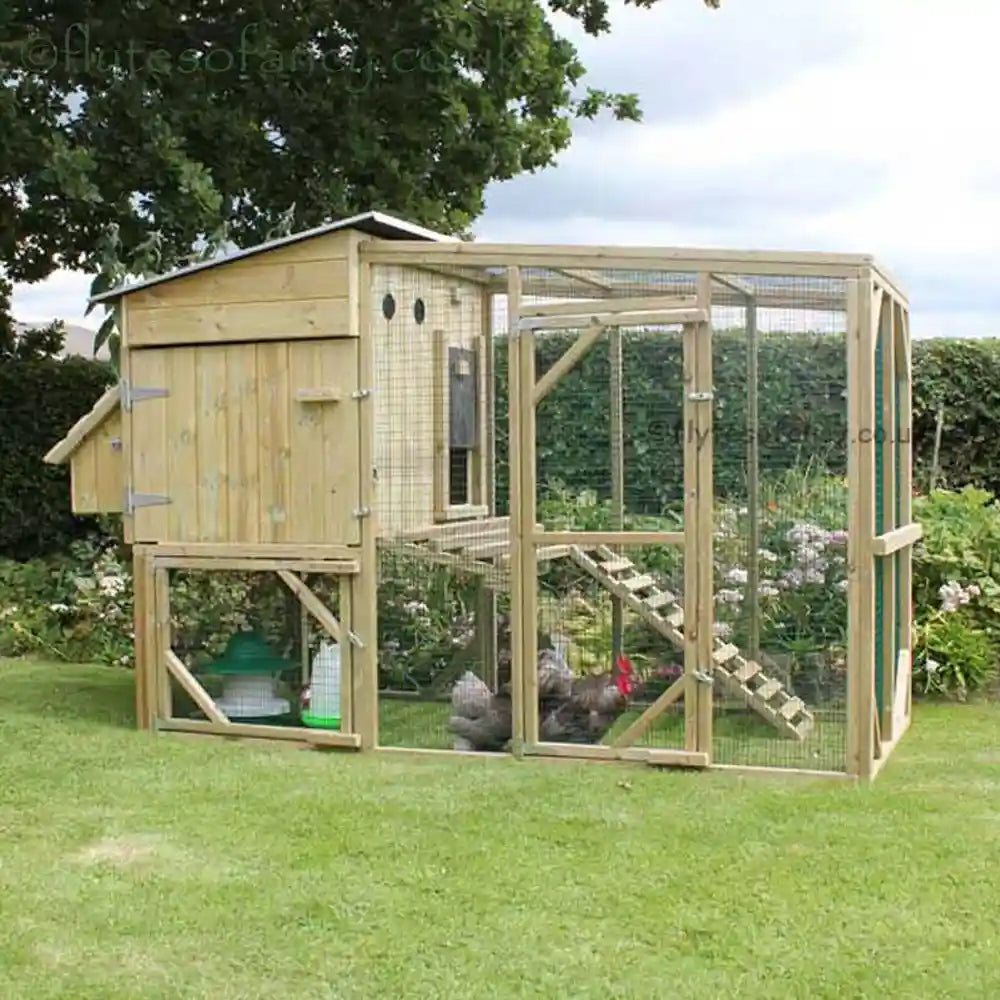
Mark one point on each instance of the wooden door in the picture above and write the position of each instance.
(245, 443)
(608, 558)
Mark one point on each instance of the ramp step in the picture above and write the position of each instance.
(791, 708)
(643, 582)
(676, 619)
(617, 565)
(768, 689)
(655, 601)
(748, 670)
(725, 653)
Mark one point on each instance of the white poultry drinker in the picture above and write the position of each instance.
(321, 701)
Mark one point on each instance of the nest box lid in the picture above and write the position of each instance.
(248, 653)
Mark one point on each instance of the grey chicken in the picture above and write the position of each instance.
(480, 719)
(570, 710)
(590, 708)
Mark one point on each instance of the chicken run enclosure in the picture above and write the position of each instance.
(636, 504)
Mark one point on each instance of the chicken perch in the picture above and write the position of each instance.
(570, 709)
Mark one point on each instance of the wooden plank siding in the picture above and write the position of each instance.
(96, 472)
(240, 458)
(296, 292)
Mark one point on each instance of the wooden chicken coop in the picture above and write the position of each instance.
(307, 406)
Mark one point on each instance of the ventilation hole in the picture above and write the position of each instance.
(419, 312)
(388, 306)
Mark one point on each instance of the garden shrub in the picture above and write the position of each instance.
(956, 592)
(40, 399)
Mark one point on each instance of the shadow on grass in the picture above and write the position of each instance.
(62, 692)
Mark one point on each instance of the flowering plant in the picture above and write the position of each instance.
(956, 592)
(801, 590)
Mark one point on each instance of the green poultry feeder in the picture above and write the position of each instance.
(249, 670)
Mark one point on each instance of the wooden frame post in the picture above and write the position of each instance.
(617, 390)
(703, 448)
(861, 527)
(486, 598)
(882, 313)
(364, 595)
(529, 552)
(753, 482)
(904, 366)
(144, 643)
(520, 535)
(162, 640)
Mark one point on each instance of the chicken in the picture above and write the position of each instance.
(480, 721)
(591, 708)
(470, 699)
(570, 710)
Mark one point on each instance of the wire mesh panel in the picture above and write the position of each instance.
(443, 556)
(780, 548)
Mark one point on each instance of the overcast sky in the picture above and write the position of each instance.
(844, 125)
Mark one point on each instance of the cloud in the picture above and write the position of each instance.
(62, 296)
(686, 61)
(598, 181)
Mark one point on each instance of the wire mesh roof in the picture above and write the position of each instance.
(817, 293)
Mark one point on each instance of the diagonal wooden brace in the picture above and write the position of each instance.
(312, 603)
(198, 694)
(666, 699)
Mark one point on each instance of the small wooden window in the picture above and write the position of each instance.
(419, 310)
(388, 306)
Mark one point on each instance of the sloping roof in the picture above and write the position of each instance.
(61, 453)
(378, 224)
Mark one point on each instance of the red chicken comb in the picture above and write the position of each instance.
(624, 664)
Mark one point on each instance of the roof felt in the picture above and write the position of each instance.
(373, 223)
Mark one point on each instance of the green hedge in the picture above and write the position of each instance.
(802, 410)
(40, 399)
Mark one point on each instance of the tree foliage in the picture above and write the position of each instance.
(127, 118)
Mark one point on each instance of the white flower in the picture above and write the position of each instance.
(722, 629)
(729, 596)
(111, 585)
(932, 666)
(737, 575)
(415, 608)
(59, 608)
(768, 589)
(953, 595)
(813, 575)
(766, 555)
(9, 612)
(805, 533)
(842, 584)
(811, 554)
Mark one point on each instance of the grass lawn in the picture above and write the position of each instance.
(136, 867)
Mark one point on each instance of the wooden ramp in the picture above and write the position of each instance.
(740, 677)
